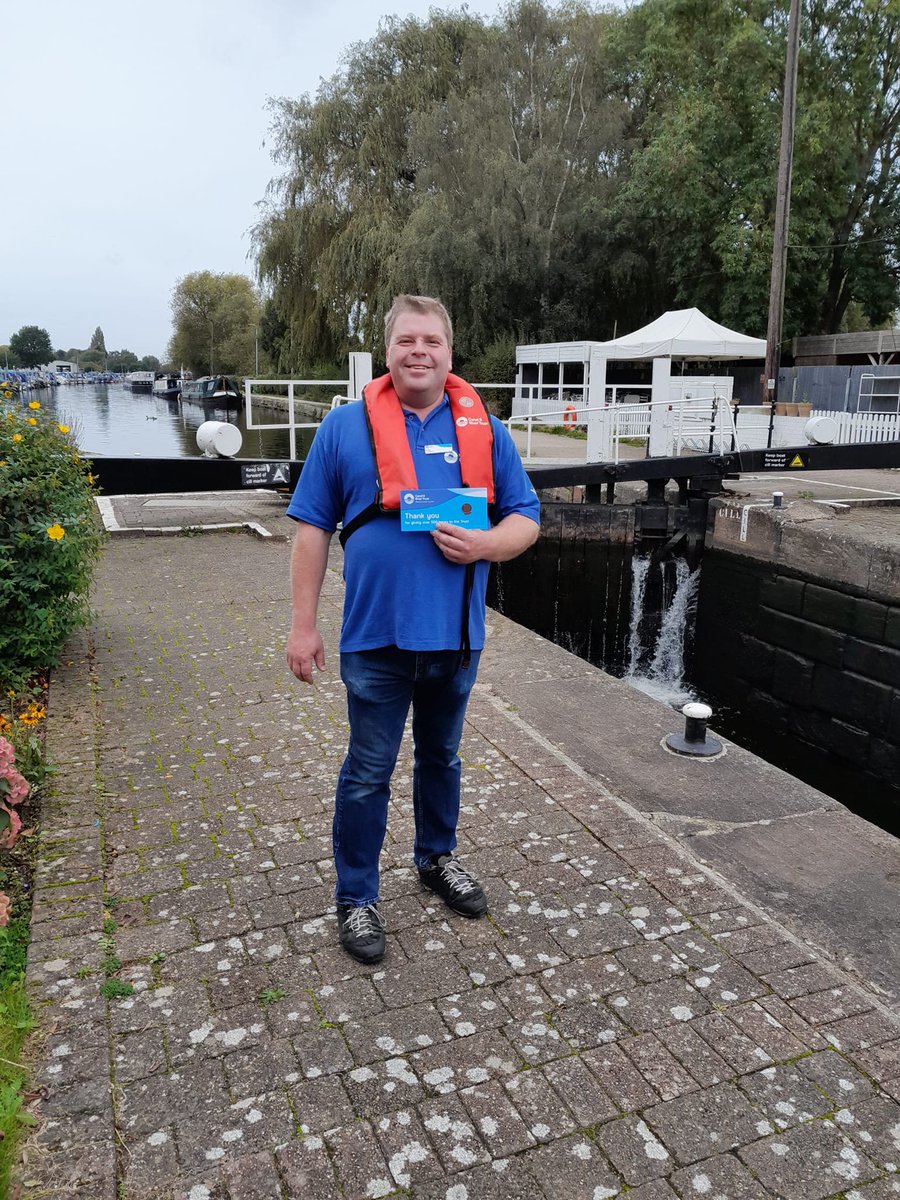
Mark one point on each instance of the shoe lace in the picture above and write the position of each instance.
(458, 877)
(365, 922)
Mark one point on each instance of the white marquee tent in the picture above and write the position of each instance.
(683, 333)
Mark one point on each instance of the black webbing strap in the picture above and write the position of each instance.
(465, 646)
(362, 518)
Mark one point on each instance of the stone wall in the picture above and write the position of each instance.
(803, 649)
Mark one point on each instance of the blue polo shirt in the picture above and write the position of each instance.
(400, 590)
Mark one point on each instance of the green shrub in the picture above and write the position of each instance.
(495, 364)
(50, 539)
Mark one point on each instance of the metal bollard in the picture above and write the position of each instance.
(695, 741)
(777, 498)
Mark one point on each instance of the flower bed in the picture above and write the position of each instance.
(50, 539)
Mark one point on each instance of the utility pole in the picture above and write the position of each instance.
(782, 212)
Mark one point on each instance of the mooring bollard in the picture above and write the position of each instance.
(777, 498)
(695, 741)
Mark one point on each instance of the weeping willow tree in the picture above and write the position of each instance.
(450, 157)
(561, 170)
(328, 242)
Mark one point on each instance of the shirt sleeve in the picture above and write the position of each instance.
(512, 487)
(318, 496)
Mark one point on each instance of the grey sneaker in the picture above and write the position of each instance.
(456, 887)
(362, 932)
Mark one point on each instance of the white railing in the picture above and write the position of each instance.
(291, 425)
(670, 427)
(571, 414)
(704, 426)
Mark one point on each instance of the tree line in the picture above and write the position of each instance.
(568, 172)
(31, 346)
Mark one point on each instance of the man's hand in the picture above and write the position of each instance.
(460, 545)
(514, 534)
(304, 648)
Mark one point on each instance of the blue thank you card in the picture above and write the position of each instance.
(465, 507)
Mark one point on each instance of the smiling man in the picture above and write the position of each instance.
(413, 623)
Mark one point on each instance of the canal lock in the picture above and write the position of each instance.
(622, 585)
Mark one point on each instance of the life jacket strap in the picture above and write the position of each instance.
(362, 518)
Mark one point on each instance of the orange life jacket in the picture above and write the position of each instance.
(394, 466)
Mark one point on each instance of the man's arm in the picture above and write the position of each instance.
(505, 540)
(309, 559)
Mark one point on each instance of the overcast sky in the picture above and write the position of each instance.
(133, 147)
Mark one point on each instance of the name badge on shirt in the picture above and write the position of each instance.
(464, 507)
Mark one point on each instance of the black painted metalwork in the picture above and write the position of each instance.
(163, 476)
(856, 456)
(701, 472)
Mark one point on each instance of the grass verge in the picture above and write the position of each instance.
(16, 1021)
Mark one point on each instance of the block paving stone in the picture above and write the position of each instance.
(621, 1026)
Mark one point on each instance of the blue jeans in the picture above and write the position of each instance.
(381, 684)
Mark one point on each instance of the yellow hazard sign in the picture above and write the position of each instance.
(796, 461)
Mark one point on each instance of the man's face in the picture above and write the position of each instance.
(419, 359)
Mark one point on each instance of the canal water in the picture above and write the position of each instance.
(114, 421)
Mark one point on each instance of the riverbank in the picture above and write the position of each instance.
(690, 971)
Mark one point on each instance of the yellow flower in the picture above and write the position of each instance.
(2, 462)
(32, 420)
(56, 533)
(35, 404)
(33, 714)
(17, 437)
(63, 428)
(4, 723)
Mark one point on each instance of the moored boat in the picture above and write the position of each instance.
(217, 389)
(140, 381)
(167, 384)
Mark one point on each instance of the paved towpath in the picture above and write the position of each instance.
(625, 1023)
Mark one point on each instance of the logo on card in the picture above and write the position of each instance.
(408, 498)
(466, 402)
(462, 421)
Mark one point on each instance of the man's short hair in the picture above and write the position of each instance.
(417, 304)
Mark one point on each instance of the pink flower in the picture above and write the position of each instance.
(9, 835)
(5, 909)
(16, 788)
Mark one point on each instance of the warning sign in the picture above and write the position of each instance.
(265, 474)
(782, 460)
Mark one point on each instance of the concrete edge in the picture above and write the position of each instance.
(114, 529)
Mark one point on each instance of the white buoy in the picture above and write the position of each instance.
(219, 437)
(821, 430)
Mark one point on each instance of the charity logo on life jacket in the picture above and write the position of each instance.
(462, 422)
(466, 402)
